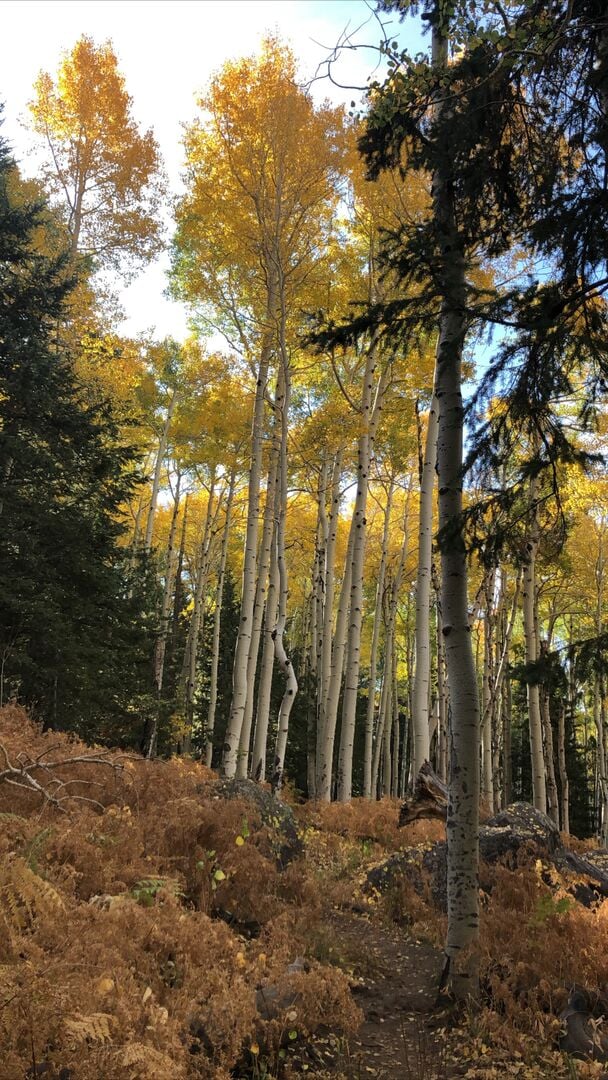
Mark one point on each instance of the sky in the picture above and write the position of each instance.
(167, 50)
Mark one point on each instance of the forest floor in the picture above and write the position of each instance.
(400, 1036)
(158, 928)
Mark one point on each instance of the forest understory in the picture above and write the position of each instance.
(151, 925)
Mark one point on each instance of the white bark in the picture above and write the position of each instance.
(539, 790)
(189, 666)
(258, 613)
(241, 657)
(327, 732)
(422, 671)
(371, 406)
(217, 622)
(291, 683)
(373, 659)
(262, 718)
(160, 457)
(462, 944)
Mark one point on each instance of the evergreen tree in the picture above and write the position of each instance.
(74, 628)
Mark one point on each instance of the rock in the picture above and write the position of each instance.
(273, 1000)
(583, 1036)
(276, 815)
(519, 826)
(526, 825)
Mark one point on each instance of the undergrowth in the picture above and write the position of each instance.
(147, 930)
(138, 929)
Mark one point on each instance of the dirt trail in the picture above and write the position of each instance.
(397, 992)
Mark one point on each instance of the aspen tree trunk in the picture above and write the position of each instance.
(170, 572)
(487, 786)
(462, 944)
(385, 704)
(262, 719)
(217, 624)
(507, 787)
(327, 734)
(602, 738)
(498, 704)
(373, 660)
(388, 730)
(258, 612)
(394, 789)
(422, 670)
(188, 676)
(160, 647)
(241, 656)
(551, 784)
(283, 660)
(563, 772)
(325, 665)
(442, 701)
(329, 585)
(315, 670)
(370, 413)
(599, 707)
(158, 466)
(539, 790)
(389, 642)
(318, 590)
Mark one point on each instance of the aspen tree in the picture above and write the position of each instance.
(217, 620)
(100, 167)
(422, 670)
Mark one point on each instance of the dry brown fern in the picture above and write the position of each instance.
(140, 1062)
(94, 1028)
(25, 897)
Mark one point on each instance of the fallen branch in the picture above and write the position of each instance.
(51, 788)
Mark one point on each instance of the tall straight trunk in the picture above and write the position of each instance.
(314, 673)
(462, 944)
(324, 672)
(171, 560)
(395, 755)
(316, 649)
(389, 644)
(373, 658)
(539, 789)
(422, 670)
(599, 702)
(563, 772)
(383, 713)
(160, 646)
(603, 830)
(258, 612)
(189, 665)
(158, 466)
(262, 717)
(371, 406)
(325, 659)
(551, 783)
(327, 733)
(442, 702)
(243, 644)
(487, 785)
(217, 624)
(283, 660)
(507, 787)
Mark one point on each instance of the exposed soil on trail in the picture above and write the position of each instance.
(396, 988)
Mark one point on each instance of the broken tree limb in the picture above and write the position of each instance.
(429, 800)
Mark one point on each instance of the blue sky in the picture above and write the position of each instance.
(167, 50)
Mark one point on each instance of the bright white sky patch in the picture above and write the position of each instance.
(167, 52)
